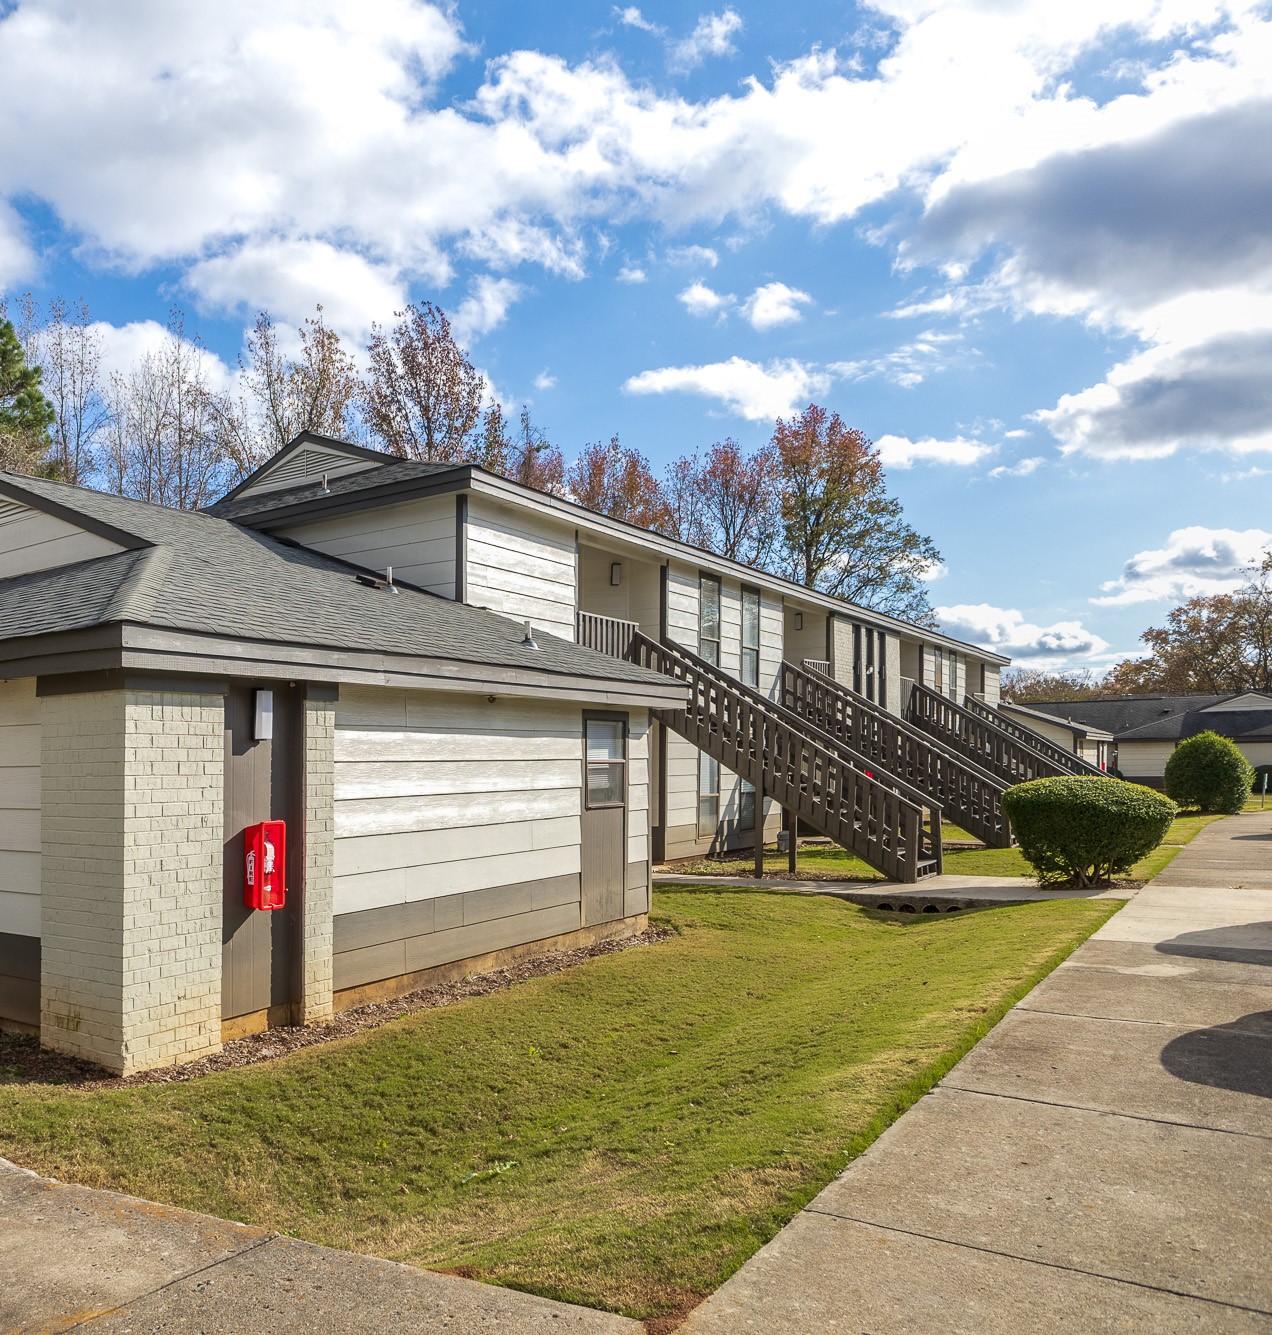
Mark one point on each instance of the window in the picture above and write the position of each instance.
(746, 805)
(982, 679)
(750, 637)
(708, 794)
(605, 741)
(709, 618)
(870, 665)
(938, 670)
(881, 691)
(953, 675)
(856, 659)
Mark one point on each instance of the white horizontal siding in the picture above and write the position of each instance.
(638, 787)
(682, 605)
(416, 538)
(19, 807)
(438, 795)
(521, 565)
(1144, 760)
(771, 629)
(31, 540)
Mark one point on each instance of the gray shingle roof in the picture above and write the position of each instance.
(1235, 723)
(198, 572)
(389, 473)
(1120, 714)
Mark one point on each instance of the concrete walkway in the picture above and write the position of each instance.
(1102, 1161)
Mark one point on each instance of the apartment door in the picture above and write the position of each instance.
(261, 783)
(604, 834)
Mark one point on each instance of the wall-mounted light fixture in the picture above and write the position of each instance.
(799, 621)
(263, 727)
(616, 573)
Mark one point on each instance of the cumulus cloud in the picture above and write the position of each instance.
(1005, 631)
(1195, 560)
(631, 273)
(774, 304)
(124, 346)
(696, 255)
(712, 36)
(900, 452)
(485, 307)
(699, 299)
(631, 17)
(544, 380)
(760, 393)
(290, 278)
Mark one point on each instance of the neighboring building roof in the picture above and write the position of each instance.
(196, 572)
(396, 480)
(1080, 729)
(1144, 718)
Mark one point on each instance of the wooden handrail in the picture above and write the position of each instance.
(982, 741)
(879, 819)
(970, 796)
(1049, 750)
(607, 635)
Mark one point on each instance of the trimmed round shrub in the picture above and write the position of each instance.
(1210, 773)
(1084, 830)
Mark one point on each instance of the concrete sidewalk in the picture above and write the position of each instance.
(72, 1258)
(1100, 1162)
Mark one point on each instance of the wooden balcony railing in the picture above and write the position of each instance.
(969, 795)
(1045, 747)
(876, 817)
(607, 635)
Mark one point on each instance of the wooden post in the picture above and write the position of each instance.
(759, 834)
(792, 828)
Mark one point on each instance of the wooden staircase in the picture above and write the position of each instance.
(985, 742)
(826, 784)
(969, 795)
(1065, 760)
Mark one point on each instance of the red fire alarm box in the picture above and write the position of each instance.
(264, 857)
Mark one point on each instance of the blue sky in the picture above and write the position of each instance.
(1026, 247)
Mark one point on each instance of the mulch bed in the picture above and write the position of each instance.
(23, 1060)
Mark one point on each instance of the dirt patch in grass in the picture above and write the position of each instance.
(22, 1060)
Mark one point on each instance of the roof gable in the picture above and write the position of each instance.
(1245, 701)
(305, 459)
(34, 538)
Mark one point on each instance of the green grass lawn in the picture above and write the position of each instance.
(623, 1134)
(837, 864)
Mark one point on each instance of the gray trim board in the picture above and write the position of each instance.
(461, 548)
(118, 679)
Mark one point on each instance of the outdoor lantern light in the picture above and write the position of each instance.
(799, 621)
(264, 729)
(616, 573)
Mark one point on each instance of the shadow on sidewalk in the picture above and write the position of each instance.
(1215, 944)
(1236, 1056)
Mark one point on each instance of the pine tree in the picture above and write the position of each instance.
(25, 414)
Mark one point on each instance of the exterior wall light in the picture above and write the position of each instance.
(616, 573)
(263, 727)
(799, 621)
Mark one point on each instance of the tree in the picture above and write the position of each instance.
(282, 396)
(1022, 685)
(618, 482)
(165, 440)
(727, 502)
(536, 461)
(424, 397)
(25, 414)
(841, 532)
(68, 348)
(1215, 644)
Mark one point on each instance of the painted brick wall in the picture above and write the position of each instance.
(320, 829)
(132, 846)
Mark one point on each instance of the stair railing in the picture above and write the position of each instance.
(1049, 750)
(879, 819)
(970, 796)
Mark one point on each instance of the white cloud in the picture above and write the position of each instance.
(699, 299)
(696, 255)
(485, 308)
(544, 380)
(631, 17)
(124, 346)
(631, 273)
(713, 36)
(900, 452)
(773, 305)
(17, 259)
(1195, 560)
(911, 363)
(1024, 468)
(755, 392)
(290, 278)
(1005, 631)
